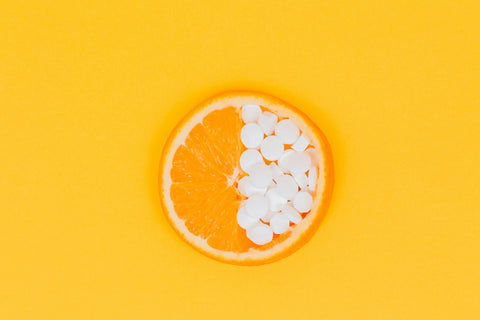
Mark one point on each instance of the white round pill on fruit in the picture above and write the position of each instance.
(313, 155)
(302, 143)
(284, 160)
(300, 179)
(271, 148)
(266, 218)
(250, 113)
(250, 190)
(249, 158)
(275, 200)
(246, 188)
(251, 135)
(287, 187)
(299, 161)
(276, 171)
(256, 206)
(291, 213)
(260, 234)
(287, 131)
(303, 201)
(261, 175)
(244, 220)
(267, 122)
(242, 185)
(279, 223)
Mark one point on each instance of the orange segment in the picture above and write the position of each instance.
(224, 128)
(199, 174)
(187, 167)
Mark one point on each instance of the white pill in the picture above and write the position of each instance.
(246, 188)
(242, 185)
(261, 175)
(279, 223)
(302, 143)
(287, 187)
(266, 218)
(291, 213)
(249, 158)
(271, 148)
(284, 160)
(275, 200)
(312, 179)
(244, 220)
(300, 178)
(251, 190)
(303, 201)
(313, 155)
(299, 161)
(272, 184)
(267, 122)
(276, 171)
(260, 234)
(250, 113)
(287, 131)
(251, 135)
(256, 206)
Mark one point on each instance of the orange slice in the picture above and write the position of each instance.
(199, 172)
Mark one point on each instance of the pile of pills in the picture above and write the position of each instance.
(282, 169)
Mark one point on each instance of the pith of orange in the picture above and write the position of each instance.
(198, 176)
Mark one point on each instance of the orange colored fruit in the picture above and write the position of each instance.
(199, 171)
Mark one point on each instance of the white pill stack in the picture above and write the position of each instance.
(282, 171)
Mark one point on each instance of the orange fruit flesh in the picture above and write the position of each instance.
(204, 179)
(199, 173)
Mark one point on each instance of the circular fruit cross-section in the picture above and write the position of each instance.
(200, 172)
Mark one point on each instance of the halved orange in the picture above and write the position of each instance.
(198, 177)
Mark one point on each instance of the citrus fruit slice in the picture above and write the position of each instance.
(200, 170)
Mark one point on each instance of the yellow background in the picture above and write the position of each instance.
(89, 91)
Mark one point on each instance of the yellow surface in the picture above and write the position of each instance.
(89, 91)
